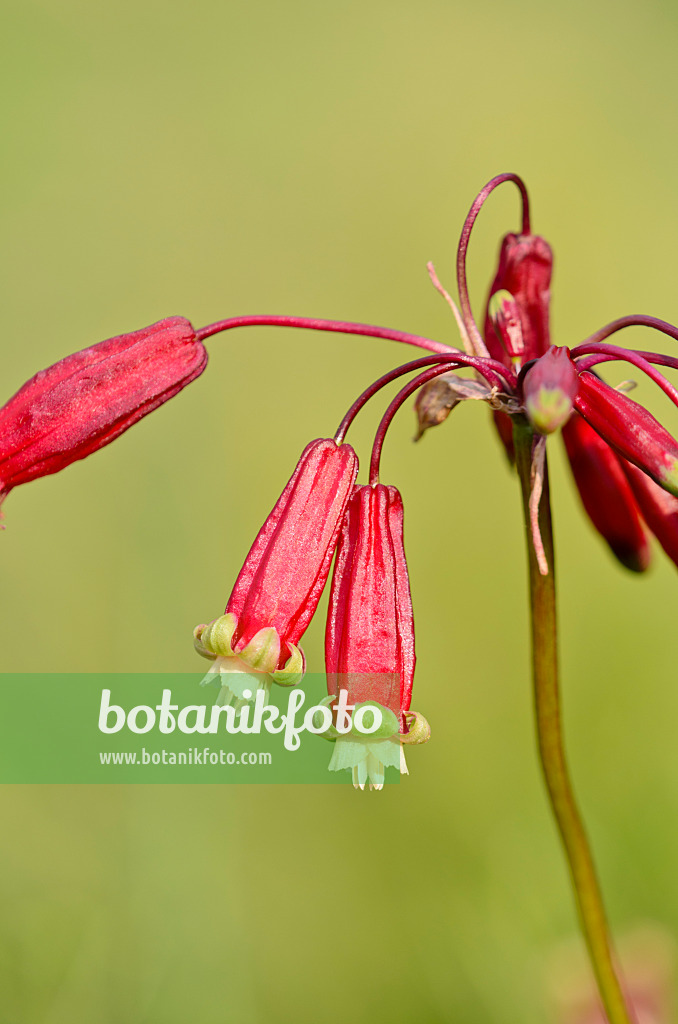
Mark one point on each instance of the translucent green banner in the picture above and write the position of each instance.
(157, 728)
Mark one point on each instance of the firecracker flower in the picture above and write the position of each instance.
(86, 400)
(369, 642)
(625, 464)
(255, 642)
(516, 331)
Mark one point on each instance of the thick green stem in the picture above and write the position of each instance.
(547, 706)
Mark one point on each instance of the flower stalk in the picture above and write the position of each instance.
(587, 891)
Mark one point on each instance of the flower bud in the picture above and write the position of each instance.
(504, 314)
(630, 429)
(525, 266)
(549, 389)
(83, 402)
(524, 271)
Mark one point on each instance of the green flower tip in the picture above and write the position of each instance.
(548, 409)
(501, 303)
(364, 721)
(418, 729)
(669, 477)
(216, 636)
(293, 672)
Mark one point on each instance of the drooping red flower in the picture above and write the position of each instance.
(659, 509)
(630, 429)
(84, 401)
(369, 641)
(279, 586)
(606, 493)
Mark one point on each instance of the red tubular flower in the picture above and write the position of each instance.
(369, 643)
(630, 429)
(606, 493)
(525, 268)
(280, 584)
(83, 402)
(524, 271)
(659, 509)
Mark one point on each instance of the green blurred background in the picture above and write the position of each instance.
(212, 159)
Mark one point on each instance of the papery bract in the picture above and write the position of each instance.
(83, 402)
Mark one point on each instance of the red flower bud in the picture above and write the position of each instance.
(525, 266)
(631, 430)
(279, 586)
(606, 494)
(83, 402)
(549, 389)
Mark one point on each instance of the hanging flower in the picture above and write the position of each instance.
(369, 643)
(607, 495)
(630, 429)
(276, 593)
(83, 402)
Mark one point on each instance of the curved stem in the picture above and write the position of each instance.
(399, 371)
(634, 320)
(452, 362)
(338, 326)
(433, 371)
(551, 749)
(658, 358)
(462, 283)
(590, 355)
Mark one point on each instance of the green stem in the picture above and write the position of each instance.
(552, 753)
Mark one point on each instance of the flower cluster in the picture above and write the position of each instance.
(624, 461)
(625, 464)
(608, 437)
